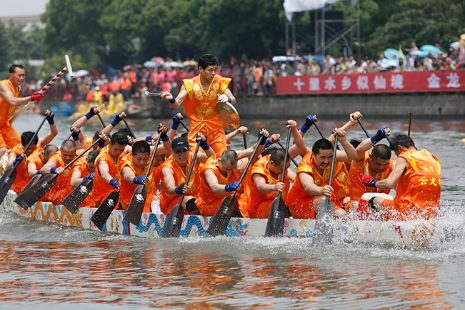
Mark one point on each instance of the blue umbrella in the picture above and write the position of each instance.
(150, 64)
(389, 52)
(431, 49)
(420, 54)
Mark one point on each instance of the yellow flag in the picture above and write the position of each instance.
(401, 55)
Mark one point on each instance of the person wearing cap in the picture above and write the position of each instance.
(200, 96)
(174, 173)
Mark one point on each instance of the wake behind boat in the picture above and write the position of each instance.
(409, 234)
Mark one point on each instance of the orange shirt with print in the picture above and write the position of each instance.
(300, 203)
(199, 107)
(208, 201)
(22, 175)
(357, 188)
(253, 203)
(88, 202)
(167, 200)
(101, 188)
(62, 187)
(127, 190)
(418, 190)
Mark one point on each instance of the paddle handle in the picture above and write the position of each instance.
(249, 162)
(127, 126)
(409, 123)
(293, 161)
(245, 141)
(333, 161)
(191, 168)
(363, 128)
(187, 129)
(153, 155)
(286, 154)
(35, 134)
(101, 120)
(319, 131)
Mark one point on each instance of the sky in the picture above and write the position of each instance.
(22, 7)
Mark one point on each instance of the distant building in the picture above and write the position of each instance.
(28, 20)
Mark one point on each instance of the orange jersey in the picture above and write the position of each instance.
(62, 187)
(208, 201)
(357, 188)
(199, 107)
(168, 201)
(252, 202)
(300, 203)
(88, 202)
(22, 175)
(89, 141)
(6, 110)
(127, 190)
(101, 188)
(35, 159)
(418, 190)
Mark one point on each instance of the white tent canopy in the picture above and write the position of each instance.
(291, 6)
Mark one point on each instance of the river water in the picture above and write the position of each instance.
(46, 266)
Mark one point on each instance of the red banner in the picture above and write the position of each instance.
(392, 82)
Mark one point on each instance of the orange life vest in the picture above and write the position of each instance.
(6, 109)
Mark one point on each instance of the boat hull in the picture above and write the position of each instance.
(410, 234)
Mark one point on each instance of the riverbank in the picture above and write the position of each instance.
(422, 105)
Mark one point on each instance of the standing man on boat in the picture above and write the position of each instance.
(55, 164)
(416, 176)
(18, 153)
(311, 184)
(10, 99)
(200, 96)
(174, 173)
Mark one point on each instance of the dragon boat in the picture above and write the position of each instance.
(409, 234)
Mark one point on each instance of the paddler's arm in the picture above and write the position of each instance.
(175, 102)
(390, 182)
(104, 171)
(168, 179)
(6, 93)
(212, 182)
(311, 188)
(53, 130)
(49, 167)
(76, 178)
(231, 97)
(263, 186)
(32, 169)
(202, 157)
(299, 144)
(349, 152)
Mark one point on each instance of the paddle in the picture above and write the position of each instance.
(174, 220)
(321, 134)
(366, 132)
(293, 161)
(30, 196)
(229, 204)
(136, 205)
(103, 212)
(77, 196)
(245, 141)
(10, 174)
(32, 181)
(278, 209)
(409, 123)
(127, 126)
(323, 233)
(187, 129)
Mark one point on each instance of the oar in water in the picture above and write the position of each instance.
(10, 174)
(136, 205)
(77, 196)
(221, 219)
(323, 232)
(103, 212)
(30, 196)
(278, 209)
(174, 220)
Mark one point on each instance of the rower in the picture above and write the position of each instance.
(85, 170)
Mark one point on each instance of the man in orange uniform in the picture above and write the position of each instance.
(10, 100)
(85, 170)
(107, 176)
(220, 175)
(263, 181)
(311, 184)
(56, 164)
(18, 153)
(39, 158)
(378, 163)
(416, 176)
(133, 168)
(174, 172)
(200, 96)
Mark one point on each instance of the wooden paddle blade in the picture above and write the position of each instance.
(6, 181)
(173, 222)
(220, 221)
(77, 196)
(275, 223)
(103, 212)
(33, 181)
(323, 232)
(136, 205)
(30, 196)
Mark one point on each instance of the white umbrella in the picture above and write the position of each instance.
(455, 45)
